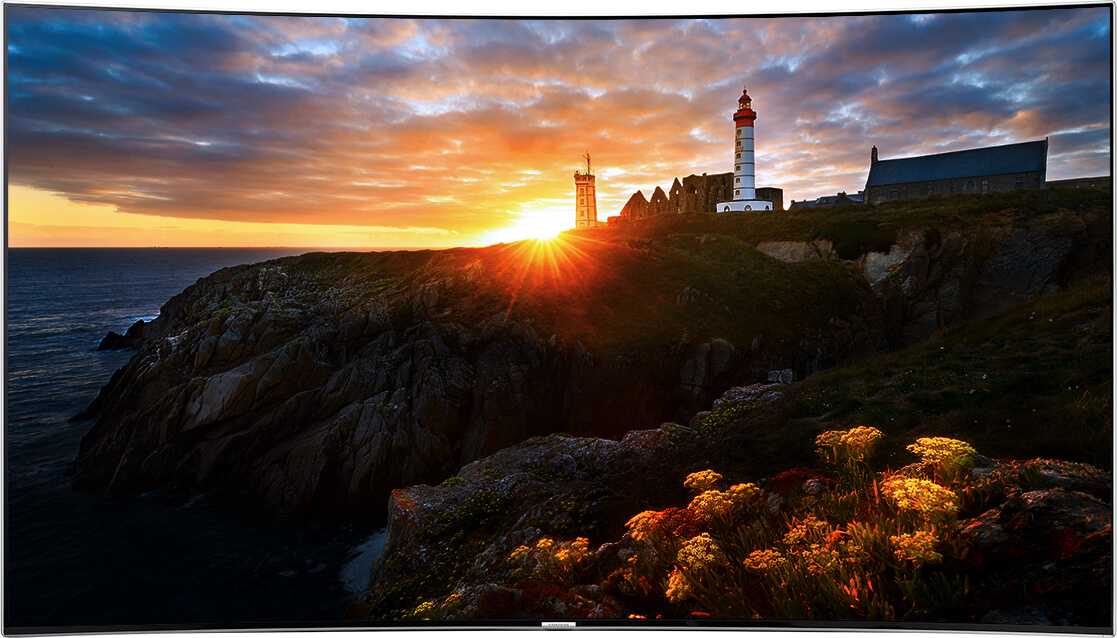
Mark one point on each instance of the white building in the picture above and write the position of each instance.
(744, 164)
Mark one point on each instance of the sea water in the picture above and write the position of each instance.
(74, 559)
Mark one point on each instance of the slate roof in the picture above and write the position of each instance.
(1025, 157)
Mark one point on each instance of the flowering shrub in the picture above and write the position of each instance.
(918, 547)
(765, 560)
(848, 452)
(678, 587)
(549, 561)
(949, 457)
(856, 444)
(701, 481)
(711, 504)
(930, 500)
(666, 526)
(700, 551)
(868, 548)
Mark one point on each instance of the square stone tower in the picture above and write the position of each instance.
(586, 194)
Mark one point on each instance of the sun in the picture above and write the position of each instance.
(534, 224)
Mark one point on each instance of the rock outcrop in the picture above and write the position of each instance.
(935, 281)
(316, 390)
(1037, 536)
(322, 382)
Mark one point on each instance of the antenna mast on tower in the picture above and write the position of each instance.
(589, 171)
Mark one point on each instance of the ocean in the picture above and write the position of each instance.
(74, 559)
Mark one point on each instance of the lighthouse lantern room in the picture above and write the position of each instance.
(744, 165)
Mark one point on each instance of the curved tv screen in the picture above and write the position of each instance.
(766, 321)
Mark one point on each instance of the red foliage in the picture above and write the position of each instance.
(495, 603)
(1069, 543)
(783, 483)
(683, 523)
(535, 592)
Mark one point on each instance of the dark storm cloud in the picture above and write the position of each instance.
(454, 123)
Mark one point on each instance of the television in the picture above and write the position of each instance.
(327, 318)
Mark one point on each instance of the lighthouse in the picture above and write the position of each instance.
(744, 165)
(585, 215)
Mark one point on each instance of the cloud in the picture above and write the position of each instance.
(463, 124)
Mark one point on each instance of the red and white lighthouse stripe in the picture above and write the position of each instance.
(744, 163)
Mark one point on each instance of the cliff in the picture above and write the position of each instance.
(319, 383)
(587, 528)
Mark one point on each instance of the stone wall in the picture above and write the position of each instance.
(694, 194)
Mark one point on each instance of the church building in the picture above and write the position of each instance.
(980, 170)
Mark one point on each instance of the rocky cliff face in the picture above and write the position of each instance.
(322, 382)
(320, 392)
(929, 281)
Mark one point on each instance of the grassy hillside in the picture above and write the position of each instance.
(1025, 209)
(614, 297)
(1033, 381)
(640, 285)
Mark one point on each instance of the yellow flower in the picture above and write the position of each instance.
(860, 439)
(820, 559)
(518, 553)
(711, 503)
(948, 456)
(765, 560)
(545, 544)
(573, 552)
(743, 492)
(452, 601)
(701, 481)
(934, 502)
(918, 547)
(677, 586)
(700, 551)
(644, 525)
(423, 611)
(937, 449)
(839, 448)
(808, 530)
(830, 438)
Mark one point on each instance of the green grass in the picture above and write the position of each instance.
(1033, 381)
(1031, 208)
(636, 287)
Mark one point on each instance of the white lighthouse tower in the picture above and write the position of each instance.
(744, 165)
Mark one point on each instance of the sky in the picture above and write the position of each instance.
(178, 129)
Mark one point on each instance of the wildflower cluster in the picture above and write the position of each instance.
(932, 501)
(837, 447)
(848, 452)
(765, 560)
(678, 587)
(869, 547)
(712, 504)
(918, 547)
(700, 551)
(668, 525)
(549, 561)
(948, 456)
(701, 481)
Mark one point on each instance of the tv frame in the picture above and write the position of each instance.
(511, 9)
